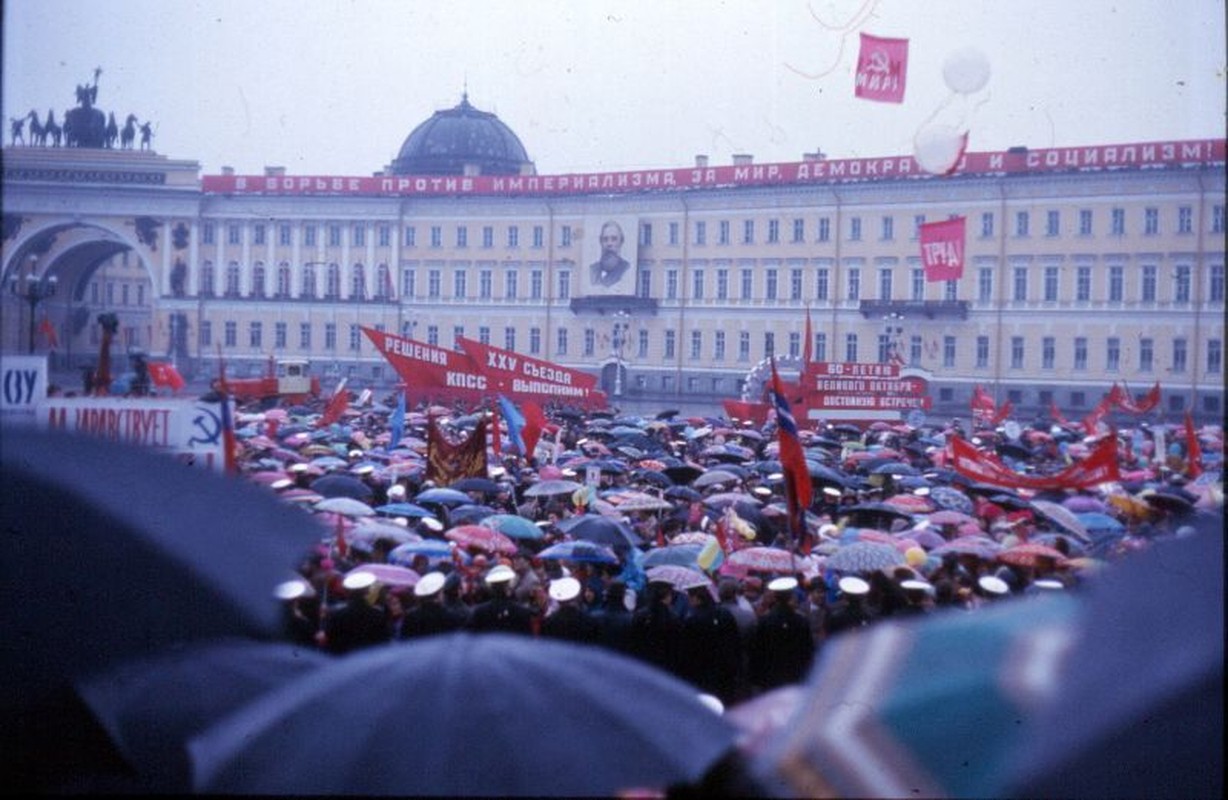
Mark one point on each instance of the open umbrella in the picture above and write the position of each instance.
(874, 515)
(93, 530)
(764, 559)
(601, 529)
(1033, 555)
(683, 493)
(683, 473)
(339, 485)
(682, 555)
(1062, 516)
(480, 485)
(469, 514)
(388, 574)
(345, 506)
(865, 556)
(410, 510)
(433, 549)
(371, 529)
(602, 723)
(481, 538)
(1094, 521)
(513, 526)
(552, 488)
(981, 547)
(442, 496)
(588, 552)
(952, 498)
(680, 577)
(713, 477)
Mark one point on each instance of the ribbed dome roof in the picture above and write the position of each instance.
(450, 139)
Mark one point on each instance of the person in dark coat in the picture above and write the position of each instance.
(656, 629)
(711, 646)
(430, 616)
(357, 623)
(782, 648)
(569, 621)
(501, 614)
(614, 619)
(852, 607)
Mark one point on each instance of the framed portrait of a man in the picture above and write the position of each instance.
(609, 255)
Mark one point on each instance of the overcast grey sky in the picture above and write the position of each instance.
(335, 86)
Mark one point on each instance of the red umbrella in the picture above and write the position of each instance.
(1032, 554)
(481, 537)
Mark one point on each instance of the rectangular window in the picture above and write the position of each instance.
(1080, 353)
(304, 335)
(535, 341)
(850, 347)
(1215, 283)
(769, 344)
(982, 352)
(673, 234)
(206, 333)
(697, 284)
(1016, 352)
(355, 338)
(1118, 222)
(770, 284)
(1048, 352)
(565, 236)
(799, 230)
(884, 284)
(462, 236)
(888, 228)
(919, 219)
(822, 284)
(1117, 283)
(1151, 221)
(722, 284)
(1021, 223)
(1147, 291)
(795, 345)
(670, 344)
(330, 336)
(986, 224)
(560, 342)
(513, 236)
(208, 234)
(854, 287)
(255, 335)
(436, 236)
(1112, 354)
(1051, 284)
(1146, 354)
(697, 345)
(1181, 284)
(744, 346)
(820, 347)
(1215, 356)
(359, 236)
(565, 285)
(917, 288)
(488, 236)
(1085, 222)
(1217, 219)
(1179, 354)
(722, 232)
(539, 237)
(1185, 219)
(1021, 285)
(334, 235)
(258, 234)
(984, 285)
(718, 346)
(536, 283)
(234, 234)
(855, 229)
(1083, 284)
(509, 338)
(230, 334)
(384, 236)
(824, 229)
(460, 284)
(748, 231)
(646, 234)
(747, 284)
(701, 232)
(1053, 223)
(773, 231)
(671, 284)
(795, 284)
(279, 335)
(948, 351)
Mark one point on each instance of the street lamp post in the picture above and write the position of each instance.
(33, 290)
(620, 339)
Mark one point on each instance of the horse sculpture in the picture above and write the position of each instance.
(112, 132)
(128, 135)
(17, 130)
(52, 130)
(38, 136)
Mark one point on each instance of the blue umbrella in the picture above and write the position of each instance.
(600, 529)
(403, 554)
(513, 526)
(1096, 521)
(680, 555)
(443, 496)
(580, 551)
(403, 510)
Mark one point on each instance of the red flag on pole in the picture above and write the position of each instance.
(336, 407)
(808, 344)
(164, 374)
(1193, 450)
(942, 249)
(882, 69)
(792, 459)
(534, 423)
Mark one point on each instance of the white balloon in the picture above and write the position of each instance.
(966, 71)
(937, 148)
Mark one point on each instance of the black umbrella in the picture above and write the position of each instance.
(651, 476)
(150, 707)
(600, 529)
(826, 474)
(342, 486)
(683, 473)
(470, 514)
(483, 485)
(113, 552)
(683, 493)
(490, 715)
(876, 515)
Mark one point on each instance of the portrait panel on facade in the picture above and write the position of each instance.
(609, 246)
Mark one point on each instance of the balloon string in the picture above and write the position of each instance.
(858, 18)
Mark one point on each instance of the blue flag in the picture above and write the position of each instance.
(515, 423)
(397, 424)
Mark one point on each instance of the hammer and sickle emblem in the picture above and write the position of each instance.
(879, 62)
(209, 426)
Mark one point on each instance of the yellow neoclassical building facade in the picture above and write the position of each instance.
(1083, 267)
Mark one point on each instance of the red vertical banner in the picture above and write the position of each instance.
(942, 249)
(882, 69)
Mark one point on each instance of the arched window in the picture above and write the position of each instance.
(308, 288)
(358, 283)
(283, 279)
(258, 279)
(383, 282)
(332, 288)
(232, 279)
(206, 280)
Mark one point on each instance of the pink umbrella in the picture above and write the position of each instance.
(389, 574)
(481, 537)
(764, 559)
(949, 516)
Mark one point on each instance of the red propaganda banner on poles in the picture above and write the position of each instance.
(1100, 466)
(942, 249)
(882, 69)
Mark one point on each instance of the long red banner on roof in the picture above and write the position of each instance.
(836, 170)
